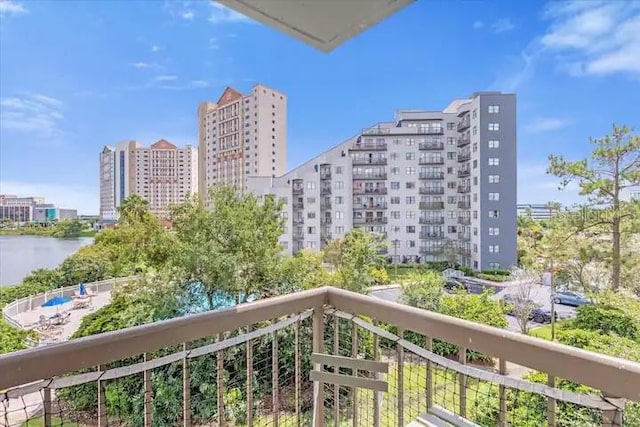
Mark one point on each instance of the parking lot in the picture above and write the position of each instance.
(539, 293)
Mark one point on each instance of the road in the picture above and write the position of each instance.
(539, 293)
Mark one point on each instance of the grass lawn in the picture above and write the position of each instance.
(544, 332)
(55, 421)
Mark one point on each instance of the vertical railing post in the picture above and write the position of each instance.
(613, 417)
(318, 387)
(186, 388)
(102, 401)
(46, 407)
(551, 403)
(354, 354)
(336, 370)
(400, 379)
(220, 384)
(462, 358)
(502, 416)
(376, 395)
(274, 377)
(296, 345)
(429, 386)
(148, 403)
(249, 380)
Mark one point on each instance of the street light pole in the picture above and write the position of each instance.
(395, 257)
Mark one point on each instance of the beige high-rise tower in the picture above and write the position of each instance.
(241, 135)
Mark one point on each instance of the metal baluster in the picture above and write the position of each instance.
(400, 379)
(186, 388)
(336, 370)
(220, 384)
(249, 380)
(148, 403)
(354, 354)
(274, 376)
(462, 358)
(297, 369)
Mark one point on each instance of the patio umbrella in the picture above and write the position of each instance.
(82, 291)
(56, 301)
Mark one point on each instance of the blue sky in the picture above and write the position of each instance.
(75, 76)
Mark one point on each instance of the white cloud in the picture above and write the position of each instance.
(536, 186)
(477, 25)
(83, 198)
(10, 6)
(213, 43)
(221, 14)
(165, 78)
(140, 64)
(155, 48)
(188, 15)
(545, 124)
(595, 37)
(502, 25)
(199, 83)
(36, 114)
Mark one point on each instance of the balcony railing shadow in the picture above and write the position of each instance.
(252, 365)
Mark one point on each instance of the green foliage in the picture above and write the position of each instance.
(423, 290)
(12, 339)
(38, 281)
(67, 228)
(606, 319)
(476, 308)
(497, 272)
(613, 345)
(302, 271)
(493, 277)
(380, 276)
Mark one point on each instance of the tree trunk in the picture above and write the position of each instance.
(615, 274)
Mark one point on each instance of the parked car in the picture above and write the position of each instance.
(453, 285)
(570, 298)
(538, 313)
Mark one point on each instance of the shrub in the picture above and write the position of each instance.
(493, 277)
(380, 276)
(606, 319)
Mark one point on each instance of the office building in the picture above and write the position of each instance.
(242, 135)
(162, 174)
(423, 180)
(538, 211)
(32, 209)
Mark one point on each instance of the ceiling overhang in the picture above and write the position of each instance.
(324, 24)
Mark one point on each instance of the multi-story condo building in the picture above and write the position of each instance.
(242, 135)
(162, 174)
(428, 182)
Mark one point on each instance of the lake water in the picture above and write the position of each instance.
(20, 255)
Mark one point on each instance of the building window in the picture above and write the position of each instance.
(494, 249)
(339, 200)
(410, 200)
(452, 214)
(451, 229)
(410, 215)
(394, 156)
(474, 114)
(395, 200)
(494, 126)
(494, 214)
(475, 130)
(494, 196)
(494, 179)
(475, 147)
(410, 170)
(494, 143)
(395, 171)
(451, 155)
(411, 243)
(311, 230)
(395, 185)
(395, 229)
(494, 109)
(494, 231)
(311, 200)
(475, 180)
(451, 199)
(451, 126)
(339, 229)
(494, 265)
(395, 214)
(494, 161)
(339, 215)
(411, 228)
(396, 141)
(451, 140)
(411, 142)
(338, 170)
(475, 164)
(410, 155)
(311, 185)
(311, 244)
(311, 215)
(410, 185)
(339, 185)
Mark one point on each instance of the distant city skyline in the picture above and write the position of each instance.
(60, 102)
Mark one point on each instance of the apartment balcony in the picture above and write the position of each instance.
(464, 220)
(431, 131)
(464, 157)
(369, 206)
(464, 123)
(464, 189)
(464, 204)
(369, 146)
(376, 131)
(374, 220)
(431, 205)
(365, 161)
(368, 190)
(298, 205)
(463, 142)
(226, 368)
(466, 252)
(325, 206)
(431, 175)
(464, 172)
(325, 236)
(431, 146)
(298, 221)
(368, 176)
(298, 235)
(464, 236)
(325, 221)
(431, 190)
(325, 191)
(430, 250)
(298, 191)
(431, 220)
(324, 175)
(431, 161)
(434, 236)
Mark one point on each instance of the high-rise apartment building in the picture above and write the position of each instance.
(433, 183)
(242, 135)
(162, 174)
